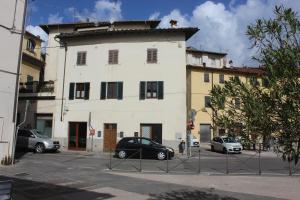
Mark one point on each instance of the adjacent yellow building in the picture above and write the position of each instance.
(204, 70)
(32, 62)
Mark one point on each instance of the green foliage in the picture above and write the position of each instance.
(274, 110)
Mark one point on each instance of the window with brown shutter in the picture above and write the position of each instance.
(81, 58)
(151, 55)
(113, 57)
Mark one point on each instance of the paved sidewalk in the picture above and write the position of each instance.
(278, 187)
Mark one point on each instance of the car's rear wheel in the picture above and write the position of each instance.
(161, 155)
(212, 148)
(122, 154)
(39, 148)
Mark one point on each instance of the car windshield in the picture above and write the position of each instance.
(38, 134)
(229, 140)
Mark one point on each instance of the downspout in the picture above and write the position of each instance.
(212, 109)
(63, 86)
(17, 81)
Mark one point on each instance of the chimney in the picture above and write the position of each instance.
(173, 23)
(231, 63)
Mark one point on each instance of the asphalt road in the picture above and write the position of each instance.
(74, 175)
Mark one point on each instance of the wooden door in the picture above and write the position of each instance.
(110, 137)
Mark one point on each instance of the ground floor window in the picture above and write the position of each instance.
(44, 124)
(153, 131)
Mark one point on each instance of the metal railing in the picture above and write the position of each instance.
(36, 87)
(256, 162)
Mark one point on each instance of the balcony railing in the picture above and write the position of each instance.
(36, 87)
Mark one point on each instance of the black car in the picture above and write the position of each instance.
(134, 147)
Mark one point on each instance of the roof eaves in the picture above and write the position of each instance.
(189, 32)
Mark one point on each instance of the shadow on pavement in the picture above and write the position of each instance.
(189, 195)
(33, 190)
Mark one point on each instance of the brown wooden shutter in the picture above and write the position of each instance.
(152, 55)
(81, 58)
(113, 56)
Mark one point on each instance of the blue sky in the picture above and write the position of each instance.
(40, 10)
(222, 23)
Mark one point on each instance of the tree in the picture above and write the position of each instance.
(277, 41)
(276, 109)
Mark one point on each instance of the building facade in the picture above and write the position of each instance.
(113, 80)
(11, 41)
(201, 77)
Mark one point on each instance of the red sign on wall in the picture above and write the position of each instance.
(92, 132)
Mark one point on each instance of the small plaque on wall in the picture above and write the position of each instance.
(121, 134)
(136, 134)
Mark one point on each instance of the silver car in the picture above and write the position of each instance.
(33, 140)
(226, 144)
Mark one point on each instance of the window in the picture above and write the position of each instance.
(265, 82)
(113, 57)
(221, 78)
(236, 78)
(253, 81)
(151, 90)
(145, 142)
(207, 101)
(151, 55)
(79, 91)
(81, 58)
(221, 131)
(30, 45)
(111, 90)
(206, 77)
(29, 78)
(237, 103)
(213, 62)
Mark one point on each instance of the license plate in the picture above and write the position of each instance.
(236, 149)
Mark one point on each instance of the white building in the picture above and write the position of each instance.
(203, 58)
(11, 24)
(117, 79)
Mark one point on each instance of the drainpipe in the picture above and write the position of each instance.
(63, 86)
(17, 129)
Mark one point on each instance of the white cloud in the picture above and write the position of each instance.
(103, 10)
(224, 29)
(154, 16)
(182, 20)
(38, 31)
(55, 19)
